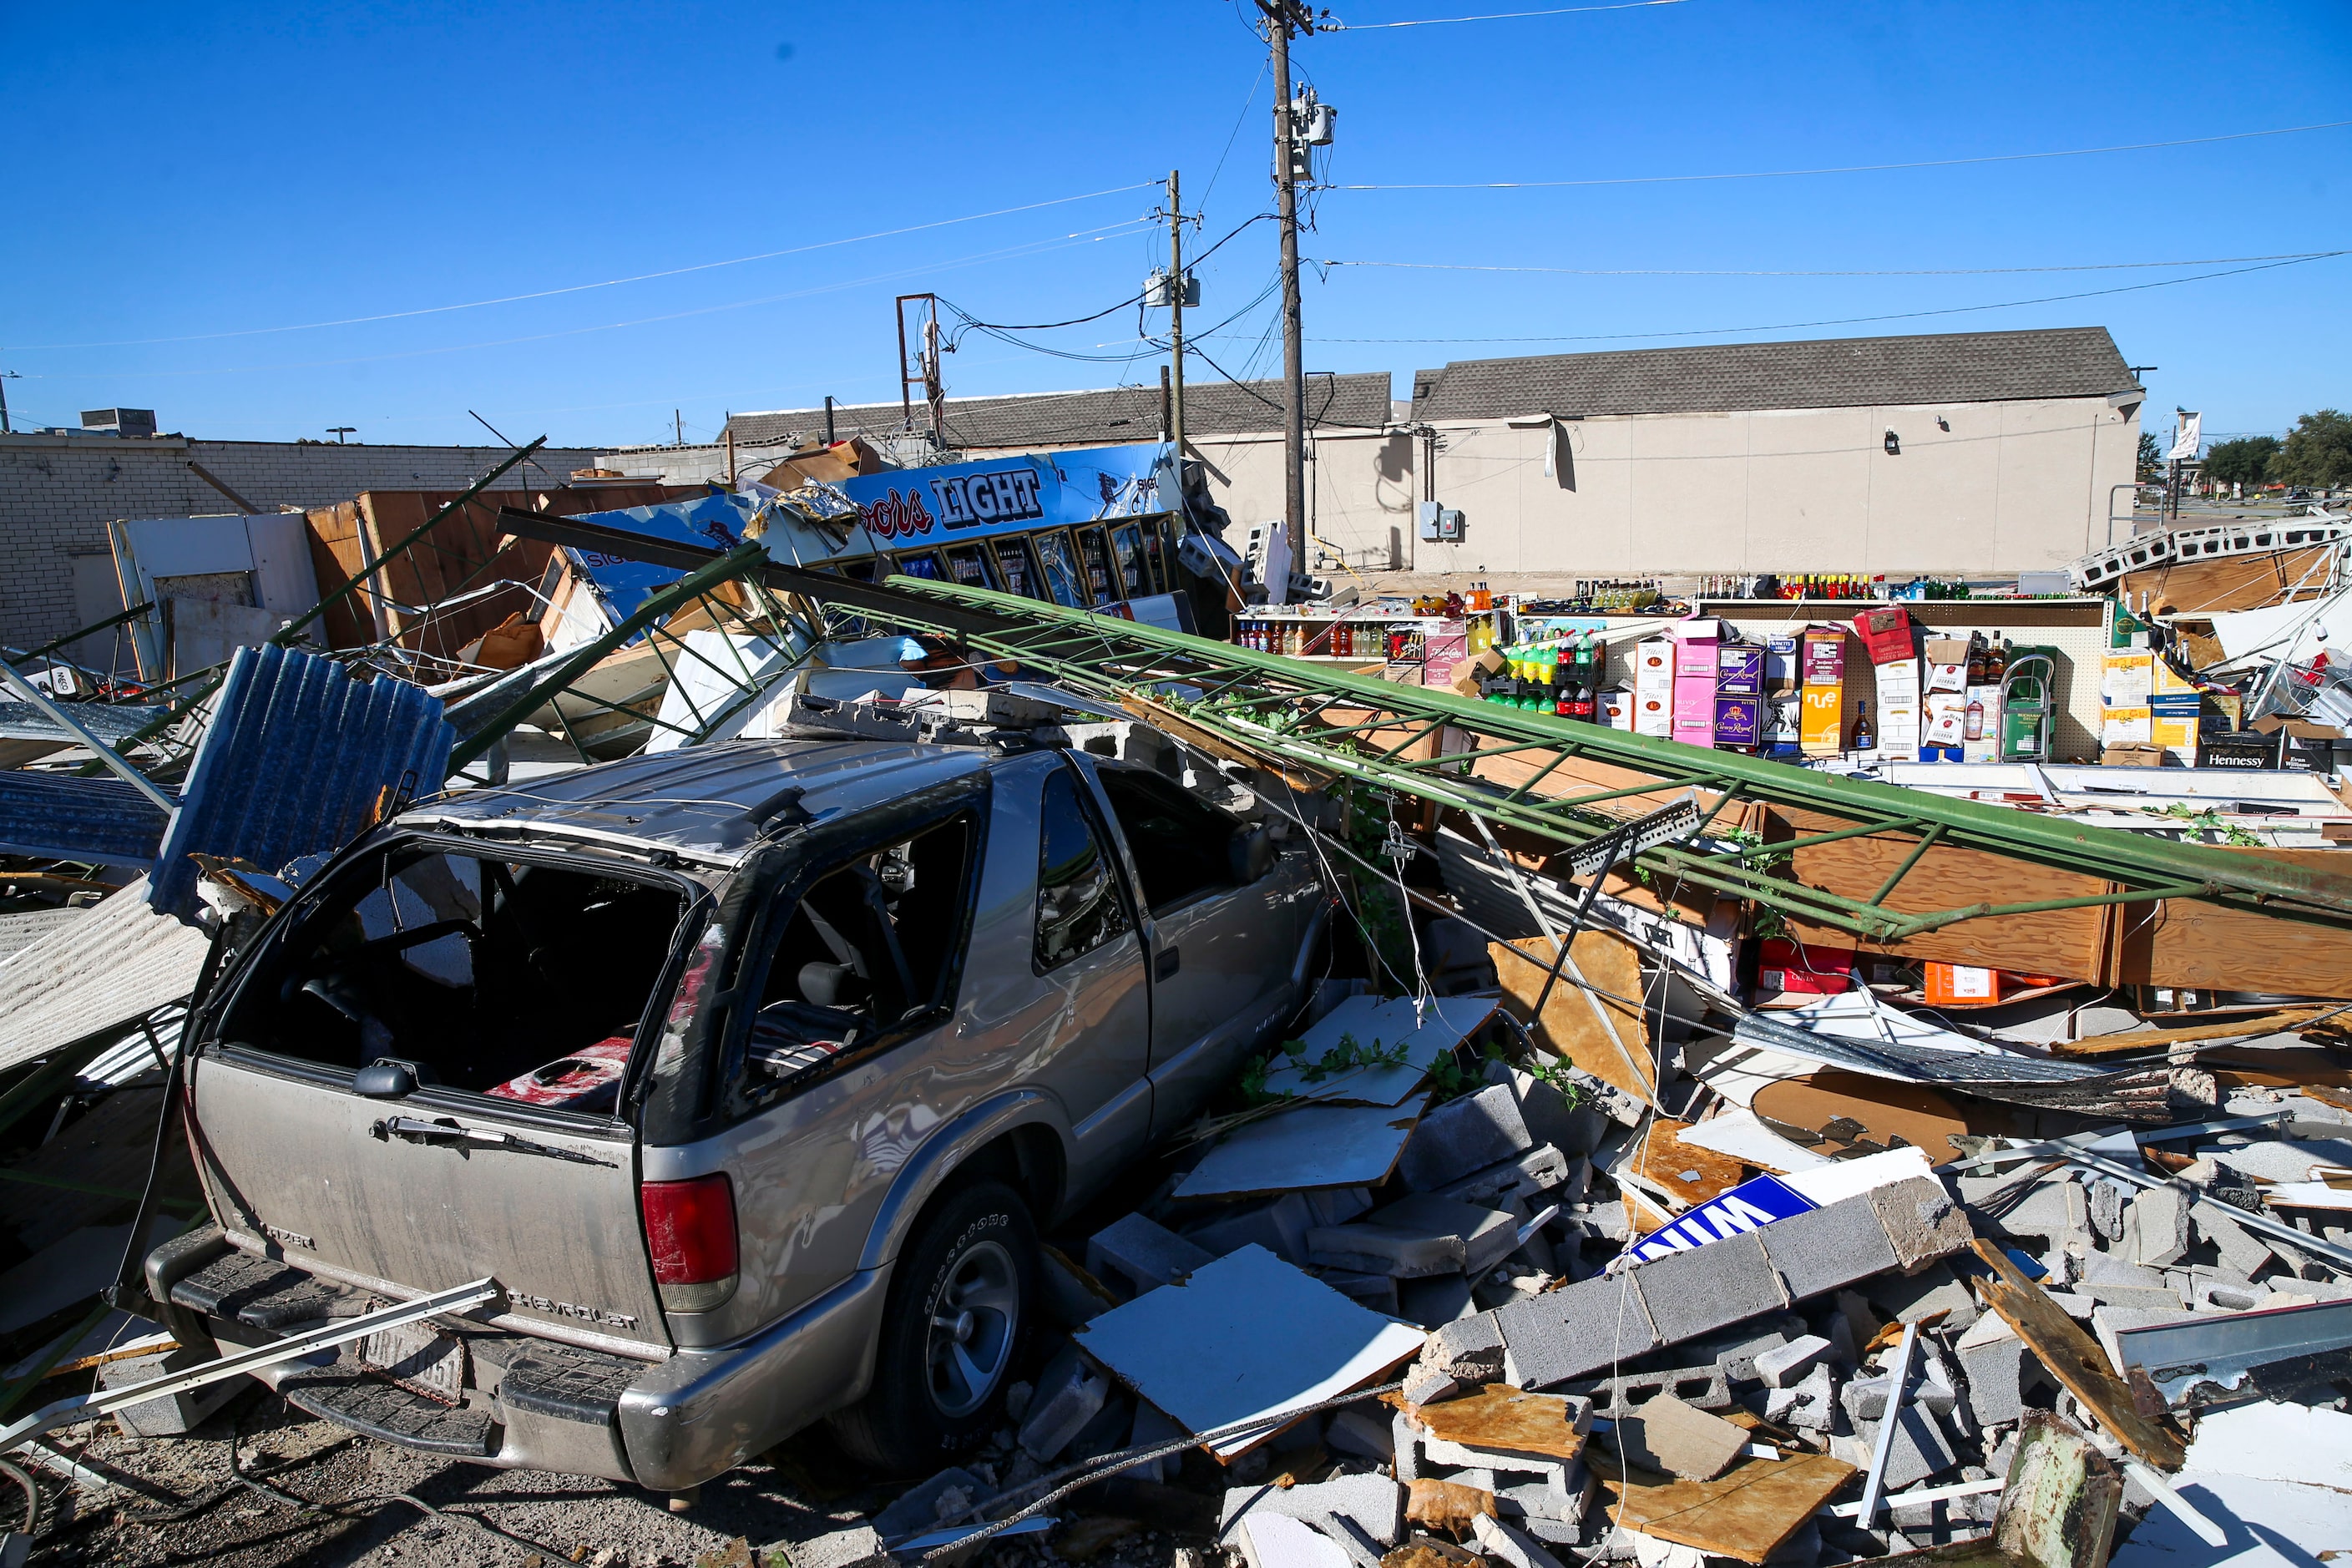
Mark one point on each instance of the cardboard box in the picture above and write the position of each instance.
(1694, 729)
(1783, 726)
(1739, 722)
(1653, 665)
(1950, 982)
(1739, 670)
(2238, 749)
(1782, 675)
(1944, 721)
(2128, 727)
(2127, 681)
(1697, 659)
(1613, 706)
(1885, 633)
(2132, 755)
(1792, 968)
(1941, 755)
(1821, 723)
(1898, 680)
(1825, 657)
(1654, 713)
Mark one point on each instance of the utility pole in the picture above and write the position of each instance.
(1176, 317)
(5, 377)
(1281, 15)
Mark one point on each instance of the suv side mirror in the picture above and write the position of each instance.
(386, 1079)
(1249, 854)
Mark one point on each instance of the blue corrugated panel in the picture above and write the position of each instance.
(59, 817)
(293, 763)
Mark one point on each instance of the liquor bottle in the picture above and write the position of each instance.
(1865, 739)
(1973, 727)
(1976, 661)
(1997, 660)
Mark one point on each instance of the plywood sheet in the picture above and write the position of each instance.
(1572, 1024)
(2232, 582)
(1849, 1108)
(1692, 1173)
(1502, 1419)
(1746, 1514)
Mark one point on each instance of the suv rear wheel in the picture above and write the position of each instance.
(959, 1309)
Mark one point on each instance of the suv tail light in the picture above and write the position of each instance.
(690, 1231)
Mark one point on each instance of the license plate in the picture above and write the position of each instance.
(423, 1358)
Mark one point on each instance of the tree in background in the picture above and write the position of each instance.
(2318, 450)
(2151, 458)
(2244, 460)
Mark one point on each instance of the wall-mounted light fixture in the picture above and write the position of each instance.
(1943, 424)
(1894, 443)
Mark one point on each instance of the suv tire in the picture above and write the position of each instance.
(957, 1311)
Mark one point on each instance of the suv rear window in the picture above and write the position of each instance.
(521, 980)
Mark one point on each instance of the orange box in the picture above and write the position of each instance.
(1950, 983)
(1821, 724)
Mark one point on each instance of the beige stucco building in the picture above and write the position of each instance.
(1975, 453)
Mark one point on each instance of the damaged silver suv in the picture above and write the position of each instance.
(748, 1073)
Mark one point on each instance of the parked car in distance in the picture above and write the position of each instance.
(750, 1073)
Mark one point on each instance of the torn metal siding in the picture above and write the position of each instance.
(118, 962)
(55, 817)
(294, 762)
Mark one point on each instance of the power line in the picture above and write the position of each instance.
(608, 283)
(1854, 320)
(1874, 272)
(1848, 168)
(1495, 16)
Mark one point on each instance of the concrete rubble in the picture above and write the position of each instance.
(1819, 1269)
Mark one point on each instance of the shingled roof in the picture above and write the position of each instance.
(1829, 373)
(1094, 418)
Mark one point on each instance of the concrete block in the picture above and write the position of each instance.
(2159, 1225)
(1336, 1206)
(1510, 1546)
(1828, 1249)
(1920, 1448)
(2042, 1210)
(1736, 1352)
(1522, 1176)
(1921, 1221)
(1807, 1406)
(1865, 1398)
(1936, 1288)
(1378, 1292)
(1702, 1387)
(1355, 1430)
(927, 1504)
(1144, 1254)
(2240, 1250)
(1435, 1300)
(1278, 1225)
(860, 1546)
(1148, 1430)
(1070, 1392)
(2106, 1268)
(1790, 1364)
(1415, 1237)
(1374, 1503)
(1464, 1136)
(2107, 1200)
(1995, 1374)
(1574, 1331)
(1664, 1434)
(174, 1415)
(1561, 1502)
(1426, 1384)
(1709, 1288)
(1470, 1349)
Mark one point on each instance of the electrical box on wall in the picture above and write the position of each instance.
(1442, 524)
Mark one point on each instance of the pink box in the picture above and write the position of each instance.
(1696, 729)
(1695, 659)
(1694, 699)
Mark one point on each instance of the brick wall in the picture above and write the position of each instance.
(58, 492)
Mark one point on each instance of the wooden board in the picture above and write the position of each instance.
(1504, 1420)
(2232, 583)
(1569, 1025)
(1746, 1512)
(2289, 1066)
(2145, 1039)
(1686, 1171)
(1884, 1112)
(2075, 1360)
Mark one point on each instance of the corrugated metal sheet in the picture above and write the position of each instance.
(107, 721)
(120, 962)
(60, 818)
(293, 763)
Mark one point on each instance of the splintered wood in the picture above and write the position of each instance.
(1603, 1037)
(1504, 1420)
(1746, 1514)
(2075, 1360)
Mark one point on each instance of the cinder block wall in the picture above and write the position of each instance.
(58, 492)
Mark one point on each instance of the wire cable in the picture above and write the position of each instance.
(1492, 16)
(1840, 272)
(1848, 168)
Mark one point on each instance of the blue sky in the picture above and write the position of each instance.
(209, 174)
